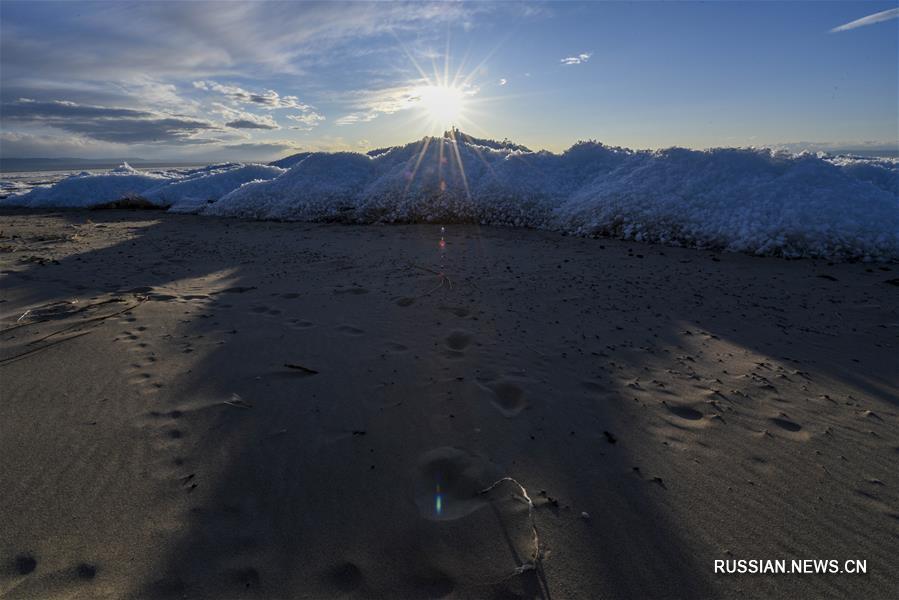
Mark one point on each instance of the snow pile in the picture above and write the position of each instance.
(750, 200)
(85, 189)
(290, 161)
(190, 193)
(740, 200)
(882, 172)
(182, 191)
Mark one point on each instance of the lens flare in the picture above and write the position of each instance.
(443, 103)
(438, 501)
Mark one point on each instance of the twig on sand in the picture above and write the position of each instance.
(74, 326)
(306, 370)
(70, 328)
(237, 402)
(9, 359)
(530, 565)
(444, 279)
(53, 318)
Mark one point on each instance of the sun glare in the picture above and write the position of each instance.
(443, 104)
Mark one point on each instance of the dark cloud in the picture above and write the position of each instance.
(248, 124)
(262, 146)
(108, 124)
(30, 109)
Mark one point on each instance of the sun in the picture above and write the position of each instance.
(443, 104)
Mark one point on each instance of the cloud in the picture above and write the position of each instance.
(141, 59)
(576, 60)
(370, 104)
(503, 81)
(113, 40)
(354, 118)
(14, 143)
(885, 15)
(262, 147)
(108, 124)
(250, 124)
(241, 119)
(268, 99)
(307, 121)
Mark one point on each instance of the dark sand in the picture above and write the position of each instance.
(662, 407)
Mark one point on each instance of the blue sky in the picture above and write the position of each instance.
(204, 81)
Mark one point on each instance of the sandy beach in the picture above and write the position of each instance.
(195, 407)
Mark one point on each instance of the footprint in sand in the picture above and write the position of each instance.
(786, 424)
(86, 571)
(458, 340)
(346, 577)
(264, 310)
(593, 386)
(684, 412)
(509, 397)
(350, 330)
(300, 324)
(354, 291)
(247, 577)
(437, 585)
(459, 311)
(25, 564)
(449, 481)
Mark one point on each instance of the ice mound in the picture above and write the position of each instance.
(85, 189)
(290, 161)
(199, 188)
(750, 200)
(182, 191)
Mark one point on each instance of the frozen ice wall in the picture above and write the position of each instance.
(749, 200)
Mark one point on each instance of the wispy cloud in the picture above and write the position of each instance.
(885, 15)
(354, 118)
(576, 60)
(503, 81)
(263, 146)
(306, 120)
(267, 99)
(241, 119)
